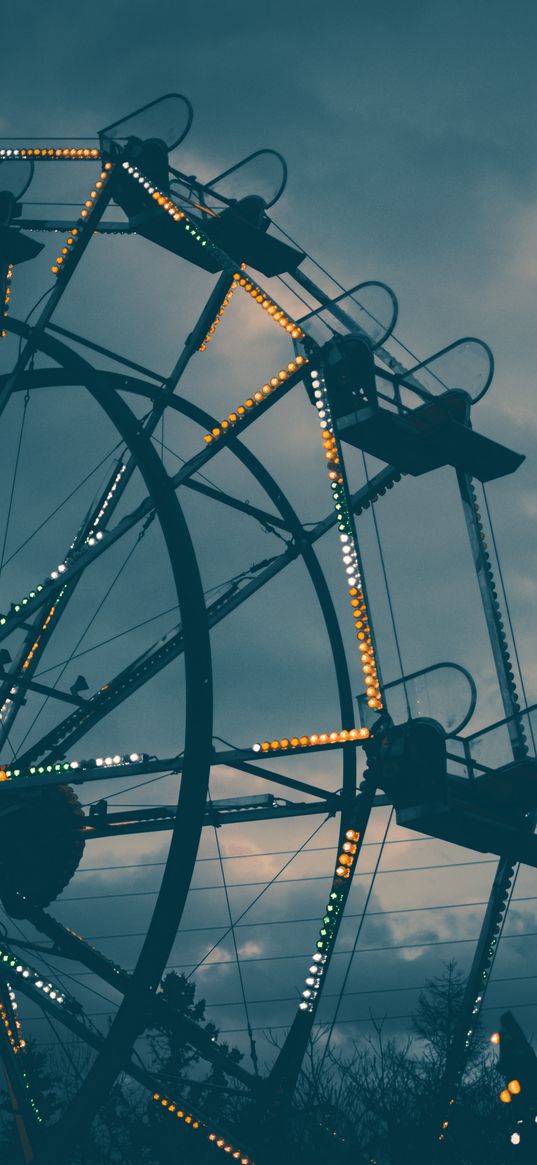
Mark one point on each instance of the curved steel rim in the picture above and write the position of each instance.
(52, 377)
(129, 1020)
(48, 377)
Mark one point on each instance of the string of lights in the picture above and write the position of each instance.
(7, 296)
(257, 398)
(50, 153)
(84, 222)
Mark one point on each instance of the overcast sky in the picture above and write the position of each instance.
(409, 132)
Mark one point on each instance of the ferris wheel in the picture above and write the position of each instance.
(107, 532)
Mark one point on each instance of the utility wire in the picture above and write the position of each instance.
(258, 896)
(253, 1052)
(315, 849)
(424, 944)
(292, 921)
(321, 1024)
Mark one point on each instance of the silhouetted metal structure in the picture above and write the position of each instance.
(412, 419)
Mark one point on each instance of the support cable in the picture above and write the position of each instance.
(61, 504)
(87, 627)
(266, 887)
(359, 928)
(253, 1052)
(14, 478)
(388, 592)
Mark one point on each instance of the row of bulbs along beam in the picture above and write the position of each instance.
(13, 1027)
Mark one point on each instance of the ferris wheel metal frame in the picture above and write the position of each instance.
(44, 765)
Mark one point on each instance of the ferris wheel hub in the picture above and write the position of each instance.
(41, 846)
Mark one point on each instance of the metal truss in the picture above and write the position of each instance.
(34, 617)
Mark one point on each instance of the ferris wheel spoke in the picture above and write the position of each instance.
(84, 557)
(68, 945)
(83, 235)
(38, 636)
(135, 764)
(13, 1050)
(73, 1018)
(117, 689)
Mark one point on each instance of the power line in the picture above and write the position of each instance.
(320, 1023)
(287, 882)
(307, 954)
(317, 849)
(253, 1052)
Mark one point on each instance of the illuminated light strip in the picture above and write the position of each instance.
(60, 265)
(3, 619)
(215, 1137)
(14, 966)
(51, 154)
(338, 895)
(7, 297)
(91, 539)
(101, 514)
(219, 314)
(105, 762)
(252, 402)
(168, 206)
(270, 306)
(14, 1038)
(18, 1044)
(313, 741)
(348, 543)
